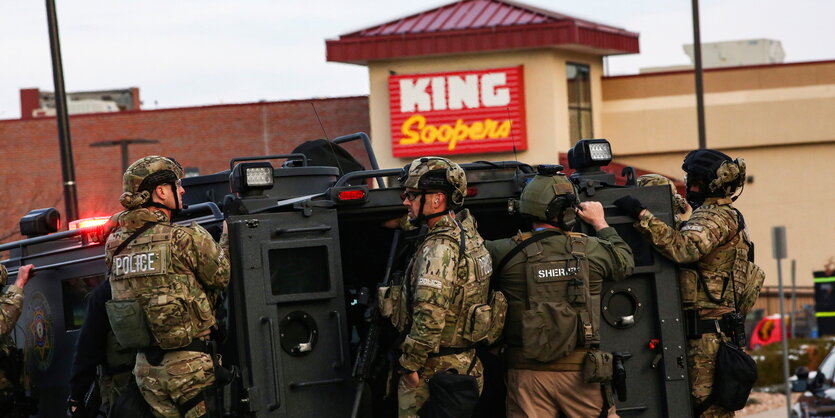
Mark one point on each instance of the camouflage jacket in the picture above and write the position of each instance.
(441, 287)
(197, 270)
(708, 242)
(10, 305)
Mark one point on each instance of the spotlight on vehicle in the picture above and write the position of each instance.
(40, 222)
(250, 179)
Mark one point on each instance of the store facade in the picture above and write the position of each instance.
(495, 80)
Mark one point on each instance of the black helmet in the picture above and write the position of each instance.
(720, 175)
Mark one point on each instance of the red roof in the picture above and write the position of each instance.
(479, 26)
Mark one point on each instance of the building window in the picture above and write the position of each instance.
(579, 101)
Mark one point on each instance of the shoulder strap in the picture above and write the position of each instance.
(517, 249)
(462, 243)
(740, 225)
(133, 236)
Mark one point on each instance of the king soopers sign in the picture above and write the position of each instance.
(464, 112)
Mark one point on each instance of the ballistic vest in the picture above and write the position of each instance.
(560, 315)
(469, 315)
(710, 284)
(174, 307)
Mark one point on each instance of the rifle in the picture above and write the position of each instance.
(370, 345)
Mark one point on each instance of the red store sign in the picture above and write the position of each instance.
(463, 112)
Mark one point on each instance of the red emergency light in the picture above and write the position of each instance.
(87, 222)
(352, 195)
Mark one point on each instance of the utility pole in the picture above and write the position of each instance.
(697, 51)
(123, 144)
(64, 139)
(778, 249)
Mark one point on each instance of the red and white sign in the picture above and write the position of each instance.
(463, 112)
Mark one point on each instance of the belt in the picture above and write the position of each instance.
(446, 351)
(696, 327)
(155, 354)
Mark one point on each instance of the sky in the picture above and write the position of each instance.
(193, 53)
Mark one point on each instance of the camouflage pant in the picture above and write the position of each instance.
(701, 364)
(411, 399)
(180, 376)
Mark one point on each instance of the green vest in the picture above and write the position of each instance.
(556, 314)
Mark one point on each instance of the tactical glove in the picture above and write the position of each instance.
(630, 205)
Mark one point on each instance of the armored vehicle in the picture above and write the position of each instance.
(309, 246)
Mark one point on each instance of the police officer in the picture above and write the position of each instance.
(552, 279)
(447, 277)
(710, 241)
(13, 401)
(164, 279)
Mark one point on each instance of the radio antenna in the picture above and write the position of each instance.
(330, 144)
(512, 137)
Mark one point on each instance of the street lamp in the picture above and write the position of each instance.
(123, 143)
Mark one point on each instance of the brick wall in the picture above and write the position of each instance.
(203, 137)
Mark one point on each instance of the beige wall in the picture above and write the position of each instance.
(780, 119)
(546, 100)
(746, 107)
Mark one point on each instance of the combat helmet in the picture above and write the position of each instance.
(648, 180)
(715, 173)
(550, 197)
(144, 175)
(436, 173)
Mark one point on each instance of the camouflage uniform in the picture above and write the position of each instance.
(10, 304)
(11, 360)
(712, 243)
(710, 240)
(443, 282)
(437, 283)
(178, 295)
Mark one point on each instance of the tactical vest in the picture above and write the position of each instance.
(560, 314)
(729, 267)
(475, 313)
(469, 315)
(153, 305)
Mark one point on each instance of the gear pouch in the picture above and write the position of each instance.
(392, 304)
(688, 280)
(127, 320)
(477, 322)
(597, 367)
(169, 321)
(498, 308)
(549, 332)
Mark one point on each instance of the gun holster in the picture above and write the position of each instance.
(619, 374)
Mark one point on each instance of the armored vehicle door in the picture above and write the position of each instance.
(289, 305)
(641, 316)
(67, 268)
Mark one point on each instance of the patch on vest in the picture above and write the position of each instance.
(143, 263)
(434, 283)
(556, 272)
(697, 228)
